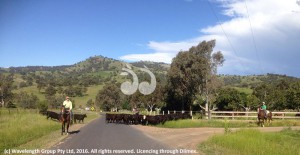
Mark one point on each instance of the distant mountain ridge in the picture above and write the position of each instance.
(91, 64)
(83, 80)
(102, 63)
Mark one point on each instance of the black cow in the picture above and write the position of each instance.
(43, 112)
(110, 118)
(154, 120)
(79, 117)
(127, 118)
(52, 115)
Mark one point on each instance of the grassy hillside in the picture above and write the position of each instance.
(254, 80)
(90, 94)
(94, 72)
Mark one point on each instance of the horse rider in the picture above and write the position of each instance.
(68, 106)
(264, 108)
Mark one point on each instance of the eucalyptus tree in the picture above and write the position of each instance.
(6, 87)
(193, 73)
(109, 97)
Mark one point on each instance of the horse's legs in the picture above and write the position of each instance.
(68, 123)
(262, 122)
(62, 128)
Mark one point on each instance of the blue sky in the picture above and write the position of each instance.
(256, 37)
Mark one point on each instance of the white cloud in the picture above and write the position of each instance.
(276, 33)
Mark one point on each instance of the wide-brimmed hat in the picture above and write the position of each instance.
(263, 102)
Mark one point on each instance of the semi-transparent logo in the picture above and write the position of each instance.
(129, 88)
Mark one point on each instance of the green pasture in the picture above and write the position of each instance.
(244, 90)
(221, 123)
(250, 141)
(31, 89)
(28, 129)
(91, 93)
(19, 127)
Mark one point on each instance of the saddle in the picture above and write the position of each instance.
(66, 111)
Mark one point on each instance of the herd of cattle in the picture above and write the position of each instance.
(56, 116)
(126, 118)
(144, 119)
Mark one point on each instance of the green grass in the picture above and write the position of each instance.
(250, 141)
(244, 90)
(92, 92)
(205, 123)
(21, 126)
(31, 89)
(26, 129)
(221, 123)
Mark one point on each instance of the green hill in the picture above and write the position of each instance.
(83, 80)
(89, 75)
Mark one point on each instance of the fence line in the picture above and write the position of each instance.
(239, 114)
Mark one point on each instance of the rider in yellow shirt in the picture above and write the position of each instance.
(68, 105)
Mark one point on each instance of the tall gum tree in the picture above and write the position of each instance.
(192, 73)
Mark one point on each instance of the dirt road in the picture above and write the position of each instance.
(189, 138)
(100, 135)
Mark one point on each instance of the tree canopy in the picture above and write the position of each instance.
(189, 73)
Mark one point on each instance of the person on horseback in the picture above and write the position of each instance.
(264, 108)
(68, 105)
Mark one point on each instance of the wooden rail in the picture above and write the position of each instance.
(253, 114)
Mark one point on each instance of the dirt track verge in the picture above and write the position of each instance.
(189, 138)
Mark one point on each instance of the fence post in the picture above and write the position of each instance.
(174, 112)
(191, 113)
(163, 112)
(168, 112)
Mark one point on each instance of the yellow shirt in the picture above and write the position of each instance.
(68, 104)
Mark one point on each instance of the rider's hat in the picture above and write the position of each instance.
(263, 102)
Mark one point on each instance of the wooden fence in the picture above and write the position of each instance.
(253, 114)
(239, 114)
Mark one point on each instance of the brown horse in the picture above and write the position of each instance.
(261, 116)
(64, 118)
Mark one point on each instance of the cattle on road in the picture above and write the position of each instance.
(79, 117)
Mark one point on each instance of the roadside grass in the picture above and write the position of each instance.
(251, 141)
(25, 129)
(19, 127)
(221, 123)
